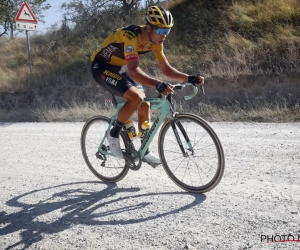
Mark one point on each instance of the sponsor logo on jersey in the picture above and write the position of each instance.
(129, 48)
(113, 75)
(129, 34)
(95, 66)
(131, 57)
(108, 51)
(111, 81)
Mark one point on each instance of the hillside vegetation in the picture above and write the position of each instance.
(223, 38)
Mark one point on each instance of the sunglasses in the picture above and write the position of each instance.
(161, 31)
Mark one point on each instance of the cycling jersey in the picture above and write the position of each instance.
(125, 44)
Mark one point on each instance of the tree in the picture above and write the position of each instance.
(87, 15)
(128, 5)
(10, 8)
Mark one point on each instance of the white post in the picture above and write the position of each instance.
(29, 56)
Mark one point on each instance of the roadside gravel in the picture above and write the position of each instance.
(50, 199)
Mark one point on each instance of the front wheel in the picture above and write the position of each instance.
(105, 166)
(198, 164)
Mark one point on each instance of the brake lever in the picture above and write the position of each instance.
(179, 86)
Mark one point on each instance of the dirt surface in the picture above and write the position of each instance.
(50, 199)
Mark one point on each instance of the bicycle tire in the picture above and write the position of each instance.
(191, 172)
(114, 169)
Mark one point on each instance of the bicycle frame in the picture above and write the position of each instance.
(164, 113)
(189, 149)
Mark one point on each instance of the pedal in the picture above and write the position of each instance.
(150, 163)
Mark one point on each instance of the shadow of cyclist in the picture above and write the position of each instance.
(80, 205)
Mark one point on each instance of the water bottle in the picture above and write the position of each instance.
(144, 129)
(130, 129)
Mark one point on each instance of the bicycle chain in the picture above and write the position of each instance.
(131, 156)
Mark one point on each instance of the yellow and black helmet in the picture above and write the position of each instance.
(158, 16)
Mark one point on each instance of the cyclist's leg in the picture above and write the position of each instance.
(134, 98)
(144, 115)
(144, 108)
(110, 78)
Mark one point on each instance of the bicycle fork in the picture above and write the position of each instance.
(187, 139)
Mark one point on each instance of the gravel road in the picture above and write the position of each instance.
(50, 199)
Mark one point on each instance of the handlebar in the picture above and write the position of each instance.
(181, 86)
(195, 90)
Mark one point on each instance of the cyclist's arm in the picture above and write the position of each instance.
(174, 74)
(136, 73)
(171, 72)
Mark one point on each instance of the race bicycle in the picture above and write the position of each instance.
(189, 149)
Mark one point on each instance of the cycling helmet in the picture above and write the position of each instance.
(158, 16)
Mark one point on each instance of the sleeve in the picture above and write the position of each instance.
(159, 53)
(130, 45)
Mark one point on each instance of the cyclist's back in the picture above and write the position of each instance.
(125, 44)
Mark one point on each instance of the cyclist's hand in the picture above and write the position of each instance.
(164, 88)
(196, 79)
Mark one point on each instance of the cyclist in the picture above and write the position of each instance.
(122, 48)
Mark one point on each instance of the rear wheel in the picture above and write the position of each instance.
(106, 167)
(200, 167)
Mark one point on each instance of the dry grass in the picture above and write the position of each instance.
(257, 112)
(239, 37)
(227, 39)
(264, 12)
(73, 113)
(219, 38)
(263, 113)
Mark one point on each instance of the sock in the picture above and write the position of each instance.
(116, 130)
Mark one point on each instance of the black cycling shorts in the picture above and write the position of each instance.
(111, 78)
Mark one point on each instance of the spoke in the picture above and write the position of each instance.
(171, 151)
(190, 173)
(198, 140)
(205, 156)
(175, 159)
(178, 165)
(208, 164)
(91, 139)
(195, 133)
(184, 173)
(204, 160)
(206, 146)
(197, 166)
(196, 171)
